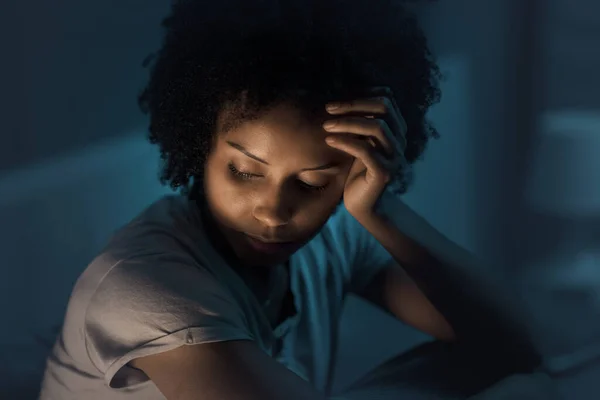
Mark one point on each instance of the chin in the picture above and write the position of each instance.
(252, 259)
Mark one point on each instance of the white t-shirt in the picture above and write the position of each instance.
(160, 284)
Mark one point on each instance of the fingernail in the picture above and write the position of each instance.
(330, 139)
(330, 124)
(332, 106)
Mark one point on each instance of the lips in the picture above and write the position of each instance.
(270, 246)
(268, 241)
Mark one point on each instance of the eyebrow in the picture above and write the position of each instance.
(243, 150)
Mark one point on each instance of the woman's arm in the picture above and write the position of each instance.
(234, 370)
(476, 304)
(394, 291)
(443, 284)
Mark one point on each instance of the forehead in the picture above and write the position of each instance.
(284, 133)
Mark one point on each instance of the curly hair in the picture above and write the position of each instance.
(303, 52)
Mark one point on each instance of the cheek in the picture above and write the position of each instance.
(227, 201)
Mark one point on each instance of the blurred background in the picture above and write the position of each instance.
(515, 176)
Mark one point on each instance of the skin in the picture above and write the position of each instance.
(287, 196)
(275, 199)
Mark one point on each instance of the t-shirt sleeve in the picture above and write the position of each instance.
(363, 255)
(154, 304)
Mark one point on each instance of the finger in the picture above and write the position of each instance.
(382, 106)
(398, 123)
(377, 92)
(385, 91)
(376, 168)
(367, 127)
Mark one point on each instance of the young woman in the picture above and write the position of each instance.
(290, 127)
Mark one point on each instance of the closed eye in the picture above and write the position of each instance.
(243, 175)
(248, 176)
(312, 187)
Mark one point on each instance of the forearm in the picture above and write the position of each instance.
(471, 297)
(442, 270)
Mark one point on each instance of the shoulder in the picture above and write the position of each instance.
(167, 221)
(159, 235)
(162, 251)
(157, 284)
(160, 263)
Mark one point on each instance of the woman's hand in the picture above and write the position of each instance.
(372, 130)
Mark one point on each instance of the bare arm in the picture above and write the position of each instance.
(473, 299)
(394, 291)
(235, 370)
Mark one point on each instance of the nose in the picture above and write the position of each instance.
(273, 209)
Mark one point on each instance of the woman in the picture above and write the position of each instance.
(290, 129)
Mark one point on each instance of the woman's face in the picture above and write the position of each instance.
(272, 183)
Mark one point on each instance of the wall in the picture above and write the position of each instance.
(70, 73)
(560, 283)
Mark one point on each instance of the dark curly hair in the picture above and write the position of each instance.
(304, 52)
